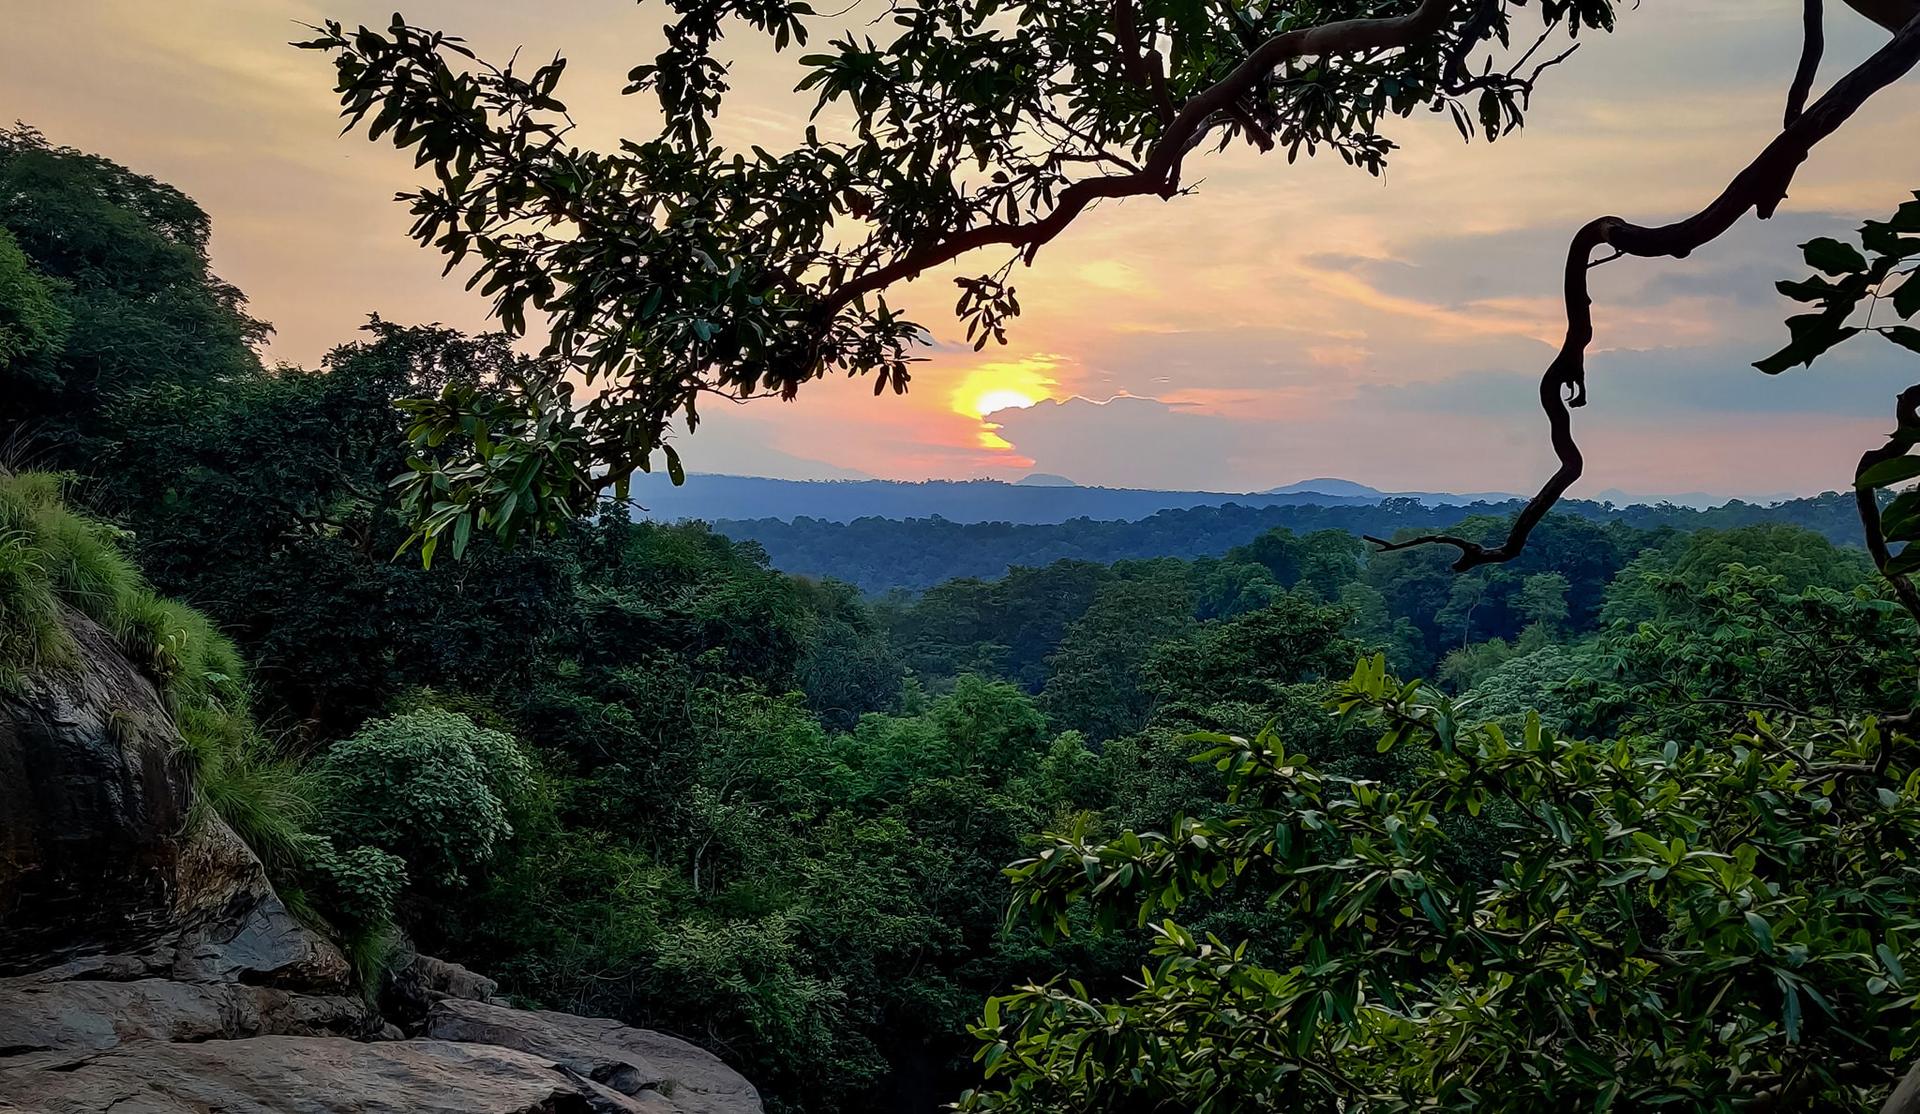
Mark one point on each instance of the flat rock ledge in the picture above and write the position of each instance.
(305, 1075)
(151, 1046)
(638, 1063)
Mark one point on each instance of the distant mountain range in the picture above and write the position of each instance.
(1038, 499)
(1327, 485)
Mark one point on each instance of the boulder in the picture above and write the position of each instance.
(53, 1013)
(634, 1062)
(450, 980)
(100, 853)
(418, 981)
(305, 1075)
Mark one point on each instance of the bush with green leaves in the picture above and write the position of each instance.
(428, 786)
(1710, 925)
(33, 325)
(357, 888)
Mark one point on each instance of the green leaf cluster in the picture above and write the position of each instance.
(1672, 923)
(1879, 273)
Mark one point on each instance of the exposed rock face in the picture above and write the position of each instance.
(156, 1046)
(148, 967)
(421, 981)
(97, 855)
(91, 805)
(70, 1010)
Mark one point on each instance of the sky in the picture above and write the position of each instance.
(1282, 322)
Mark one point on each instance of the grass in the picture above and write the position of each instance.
(196, 665)
(246, 782)
(31, 634)
(53, 557)
(369, 952)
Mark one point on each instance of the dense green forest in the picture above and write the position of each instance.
(630, 769)
(880, 554)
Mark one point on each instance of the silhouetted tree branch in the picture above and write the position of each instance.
(1159, 175)
(1761, 187)
(1866, 497)
(1813, 44)
(1890, 14)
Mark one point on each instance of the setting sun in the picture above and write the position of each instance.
(1003, 398)
(999, 385)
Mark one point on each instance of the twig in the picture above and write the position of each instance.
(1813, 45)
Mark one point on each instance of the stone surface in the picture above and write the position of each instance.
(450, 980)
(100, 853)
(419, 981)
(632, 1061)
(50, 1014)
(304, 1075)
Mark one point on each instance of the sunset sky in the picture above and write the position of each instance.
(1284, 322)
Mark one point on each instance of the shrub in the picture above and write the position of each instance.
(355, 888)
(426, 786)
(353, 892)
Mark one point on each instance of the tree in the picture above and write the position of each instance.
(849, 668)
(1094, 682)
(1543, 599)
(1712, 925)
(1800, 558)
(430, 787)
(118, 294)
(267, 497)
(674, 268)
(33, 326)
(1253, 658)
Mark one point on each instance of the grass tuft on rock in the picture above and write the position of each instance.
(54, 562)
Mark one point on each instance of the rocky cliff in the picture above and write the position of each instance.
(147, 965)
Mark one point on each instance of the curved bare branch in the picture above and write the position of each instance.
(1890, 14)
(1813, 44)
(1761, 187)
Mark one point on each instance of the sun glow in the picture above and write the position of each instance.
(987, 389)
(1002, 398)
